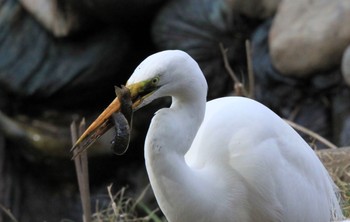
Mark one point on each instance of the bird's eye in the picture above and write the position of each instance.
(155, 80)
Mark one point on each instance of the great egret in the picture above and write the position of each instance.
(229, 159)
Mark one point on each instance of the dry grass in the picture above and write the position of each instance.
(345, 194)
(337, 162)
(124, 209)
(120, 208)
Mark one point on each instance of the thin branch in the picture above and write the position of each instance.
(142, 195)
(81, 166)
(251, 79)
(8, 213)
(238, 86)
(312, 134)
(114, 205)
(227, 64)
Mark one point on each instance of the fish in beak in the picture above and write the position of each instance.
(118, 114)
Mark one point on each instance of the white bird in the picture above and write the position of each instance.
(229, 159)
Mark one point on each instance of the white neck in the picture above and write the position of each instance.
(170, 135)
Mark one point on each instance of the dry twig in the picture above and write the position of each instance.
(311, 134)
(237, 85)
(251, 79)
(8, 213)
(81, 166)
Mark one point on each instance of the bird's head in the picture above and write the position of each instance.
(166, 73)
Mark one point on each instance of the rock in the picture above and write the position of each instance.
(345, 65)
(129, 13)
(263, 68)
(35, 65)
(308, 99)
(255, 8)
(63, 18)
(309, 36)
(341, 117)
(59, 20)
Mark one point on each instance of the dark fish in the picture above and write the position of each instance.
(122, 121)
(121, 118)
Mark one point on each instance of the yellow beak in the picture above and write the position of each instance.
(100, 126)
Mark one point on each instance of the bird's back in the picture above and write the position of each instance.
(279, 177)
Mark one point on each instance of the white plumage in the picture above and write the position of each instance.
(231, 159)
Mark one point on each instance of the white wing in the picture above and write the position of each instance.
(277, 168)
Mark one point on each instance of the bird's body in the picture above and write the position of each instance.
(245, 164)
(229, 160)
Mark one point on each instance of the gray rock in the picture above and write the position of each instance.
(341, 117)
(34, 64)
(345, 65)
(309, 36)
(64, 18)
(255, 8)
(60, 21)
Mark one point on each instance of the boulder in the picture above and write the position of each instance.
(67, 17)
(60, 20)
(345, 65)
(255, 8)
(309, 36)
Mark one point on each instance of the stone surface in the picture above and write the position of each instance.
(305, 101)
(255, 8)
(60, 21)
(345, 65)
(35, 65)
(309, 36)
(67, 17)
(341, 117)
